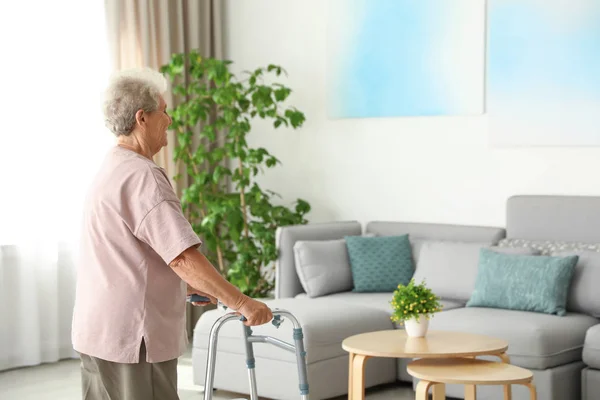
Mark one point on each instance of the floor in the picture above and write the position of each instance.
(61, 381)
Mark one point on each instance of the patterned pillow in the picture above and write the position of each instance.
(380, 264)
(523, 282)
(547, 247)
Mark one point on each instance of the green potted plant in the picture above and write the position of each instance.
(413, 305)
(236, 217)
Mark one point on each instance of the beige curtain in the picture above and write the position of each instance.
(145, 33)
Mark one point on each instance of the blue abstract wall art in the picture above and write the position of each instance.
(543, 78)
(396, 58)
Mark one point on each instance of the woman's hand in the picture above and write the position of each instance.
(255, 312)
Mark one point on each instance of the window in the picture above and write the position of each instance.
(55, 64)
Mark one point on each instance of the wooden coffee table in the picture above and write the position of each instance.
(396, 344)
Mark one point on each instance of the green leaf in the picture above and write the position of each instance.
(282, 93)
(302, 206)
(209, 132)
(296, 117)
(244, 104)
(184, 139)
(219, 173)
(271, 162)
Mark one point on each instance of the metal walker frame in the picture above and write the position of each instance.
(250, 339)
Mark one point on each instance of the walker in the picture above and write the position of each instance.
(249, 339)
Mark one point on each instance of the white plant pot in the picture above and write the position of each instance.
(417, 327)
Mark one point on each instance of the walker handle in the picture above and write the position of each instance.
(196, 298)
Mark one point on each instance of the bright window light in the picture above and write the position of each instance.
(55, 64)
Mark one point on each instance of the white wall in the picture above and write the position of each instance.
(411, 169)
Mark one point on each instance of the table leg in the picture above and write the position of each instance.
(350, 380)
(422, 392)
(532, 391)
(504, 357)
(439, 391)
(470, 392)
(507, 388)
(507, 392)
(358, 377)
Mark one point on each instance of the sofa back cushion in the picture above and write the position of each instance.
(450, 268)
(422, 232)
(584, 293)
(440, 232)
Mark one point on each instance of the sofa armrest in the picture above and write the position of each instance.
(591, 347)
(287, 283)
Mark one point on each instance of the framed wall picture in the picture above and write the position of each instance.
(397, 58)
(543, 72)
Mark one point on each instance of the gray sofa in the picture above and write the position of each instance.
(551, 346)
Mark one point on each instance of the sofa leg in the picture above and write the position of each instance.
(422, 392)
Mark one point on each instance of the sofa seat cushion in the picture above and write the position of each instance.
(379, 301)
(535, 340)
(591, 348)
(326, 323)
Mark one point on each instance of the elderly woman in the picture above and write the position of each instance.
(139, 258)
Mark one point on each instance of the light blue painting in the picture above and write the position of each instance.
(544, 72)
(395, 58)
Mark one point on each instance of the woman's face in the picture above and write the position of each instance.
(157, 123)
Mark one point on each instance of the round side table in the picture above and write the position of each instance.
(395, 343)
(470, 372)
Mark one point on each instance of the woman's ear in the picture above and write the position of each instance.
(140, 117)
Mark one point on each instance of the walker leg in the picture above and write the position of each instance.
(211, 360)
(301, 360)
(250, 363)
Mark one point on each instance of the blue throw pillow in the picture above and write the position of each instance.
(381, 263)
(523, 282)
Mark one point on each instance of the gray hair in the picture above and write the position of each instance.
(129, 91)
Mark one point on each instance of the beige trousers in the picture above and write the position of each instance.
(105, 380)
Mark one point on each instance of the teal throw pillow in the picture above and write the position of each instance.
(523, 282)
(381, 263)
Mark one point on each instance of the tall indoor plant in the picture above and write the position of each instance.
(235, 217)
